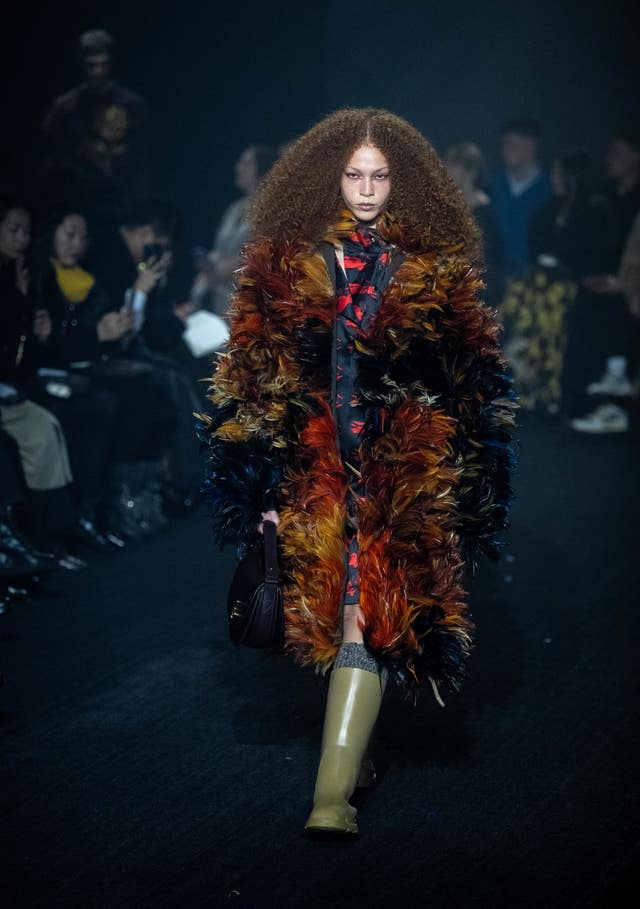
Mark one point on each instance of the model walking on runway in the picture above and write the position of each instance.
(363, 404)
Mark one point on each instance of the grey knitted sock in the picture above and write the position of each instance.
(356, 656)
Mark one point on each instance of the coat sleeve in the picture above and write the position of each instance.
(481, 397)
(243, 430)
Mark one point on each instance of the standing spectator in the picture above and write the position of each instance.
(630, 269)
(518, 189)
(618, 335)
(95, 135)
(215, 280)
(465, 163)
(562, 322)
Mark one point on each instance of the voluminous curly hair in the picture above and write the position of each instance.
(300, 198)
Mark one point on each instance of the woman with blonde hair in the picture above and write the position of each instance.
(363, 405)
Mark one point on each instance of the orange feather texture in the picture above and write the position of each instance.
(427, 468)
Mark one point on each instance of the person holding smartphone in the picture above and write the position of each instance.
(132, 263)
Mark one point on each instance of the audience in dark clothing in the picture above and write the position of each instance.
(518, 190)
(573, 233)
(89, 339)
(133, 265)
(466, 165)
(616, 348)
(95, 146)
(36, 433)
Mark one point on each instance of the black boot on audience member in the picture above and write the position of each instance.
(22, 554)
(87, 532)
(49, 519)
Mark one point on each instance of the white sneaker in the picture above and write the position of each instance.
(606, 418)
(617, 386)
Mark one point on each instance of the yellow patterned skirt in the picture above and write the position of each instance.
(534, 312)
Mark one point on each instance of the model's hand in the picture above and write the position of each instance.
(268, 516)
(113, 325)
(42, 324)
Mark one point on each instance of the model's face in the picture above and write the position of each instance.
(70, 240)
(365, 183)
(15, 234)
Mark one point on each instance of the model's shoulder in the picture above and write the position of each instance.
(279, 254)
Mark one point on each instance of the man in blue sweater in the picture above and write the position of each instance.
(518, 189)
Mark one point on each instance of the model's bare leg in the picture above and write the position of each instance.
(351, 619)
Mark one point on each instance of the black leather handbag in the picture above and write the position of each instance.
(254, 604)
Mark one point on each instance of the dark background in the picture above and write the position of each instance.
(219, 77)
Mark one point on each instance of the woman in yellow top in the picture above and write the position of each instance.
(119, 419)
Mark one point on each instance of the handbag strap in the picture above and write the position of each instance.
(270, 552)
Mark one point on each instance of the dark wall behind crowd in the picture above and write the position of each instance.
(220, 76)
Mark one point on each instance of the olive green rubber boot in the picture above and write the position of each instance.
(353, 703)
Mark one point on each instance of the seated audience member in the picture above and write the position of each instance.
(20, 568)
(620, 340)
(16, 559)
(213, 285)
(95, 134)
(518, 189)
(48, 516)
(123, 453)
(133, 267)
(466, 165)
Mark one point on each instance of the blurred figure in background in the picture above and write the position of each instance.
(119, 462)
(214, 282)
(518, 190)
(95, 136)
(569, 237)
(466, 165)
(113, 418)
(48, 516)
(619, 340)
(630, 270)
(133, 265)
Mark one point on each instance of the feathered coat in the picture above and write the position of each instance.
(436, 454)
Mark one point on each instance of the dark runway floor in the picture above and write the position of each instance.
(147, 763)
